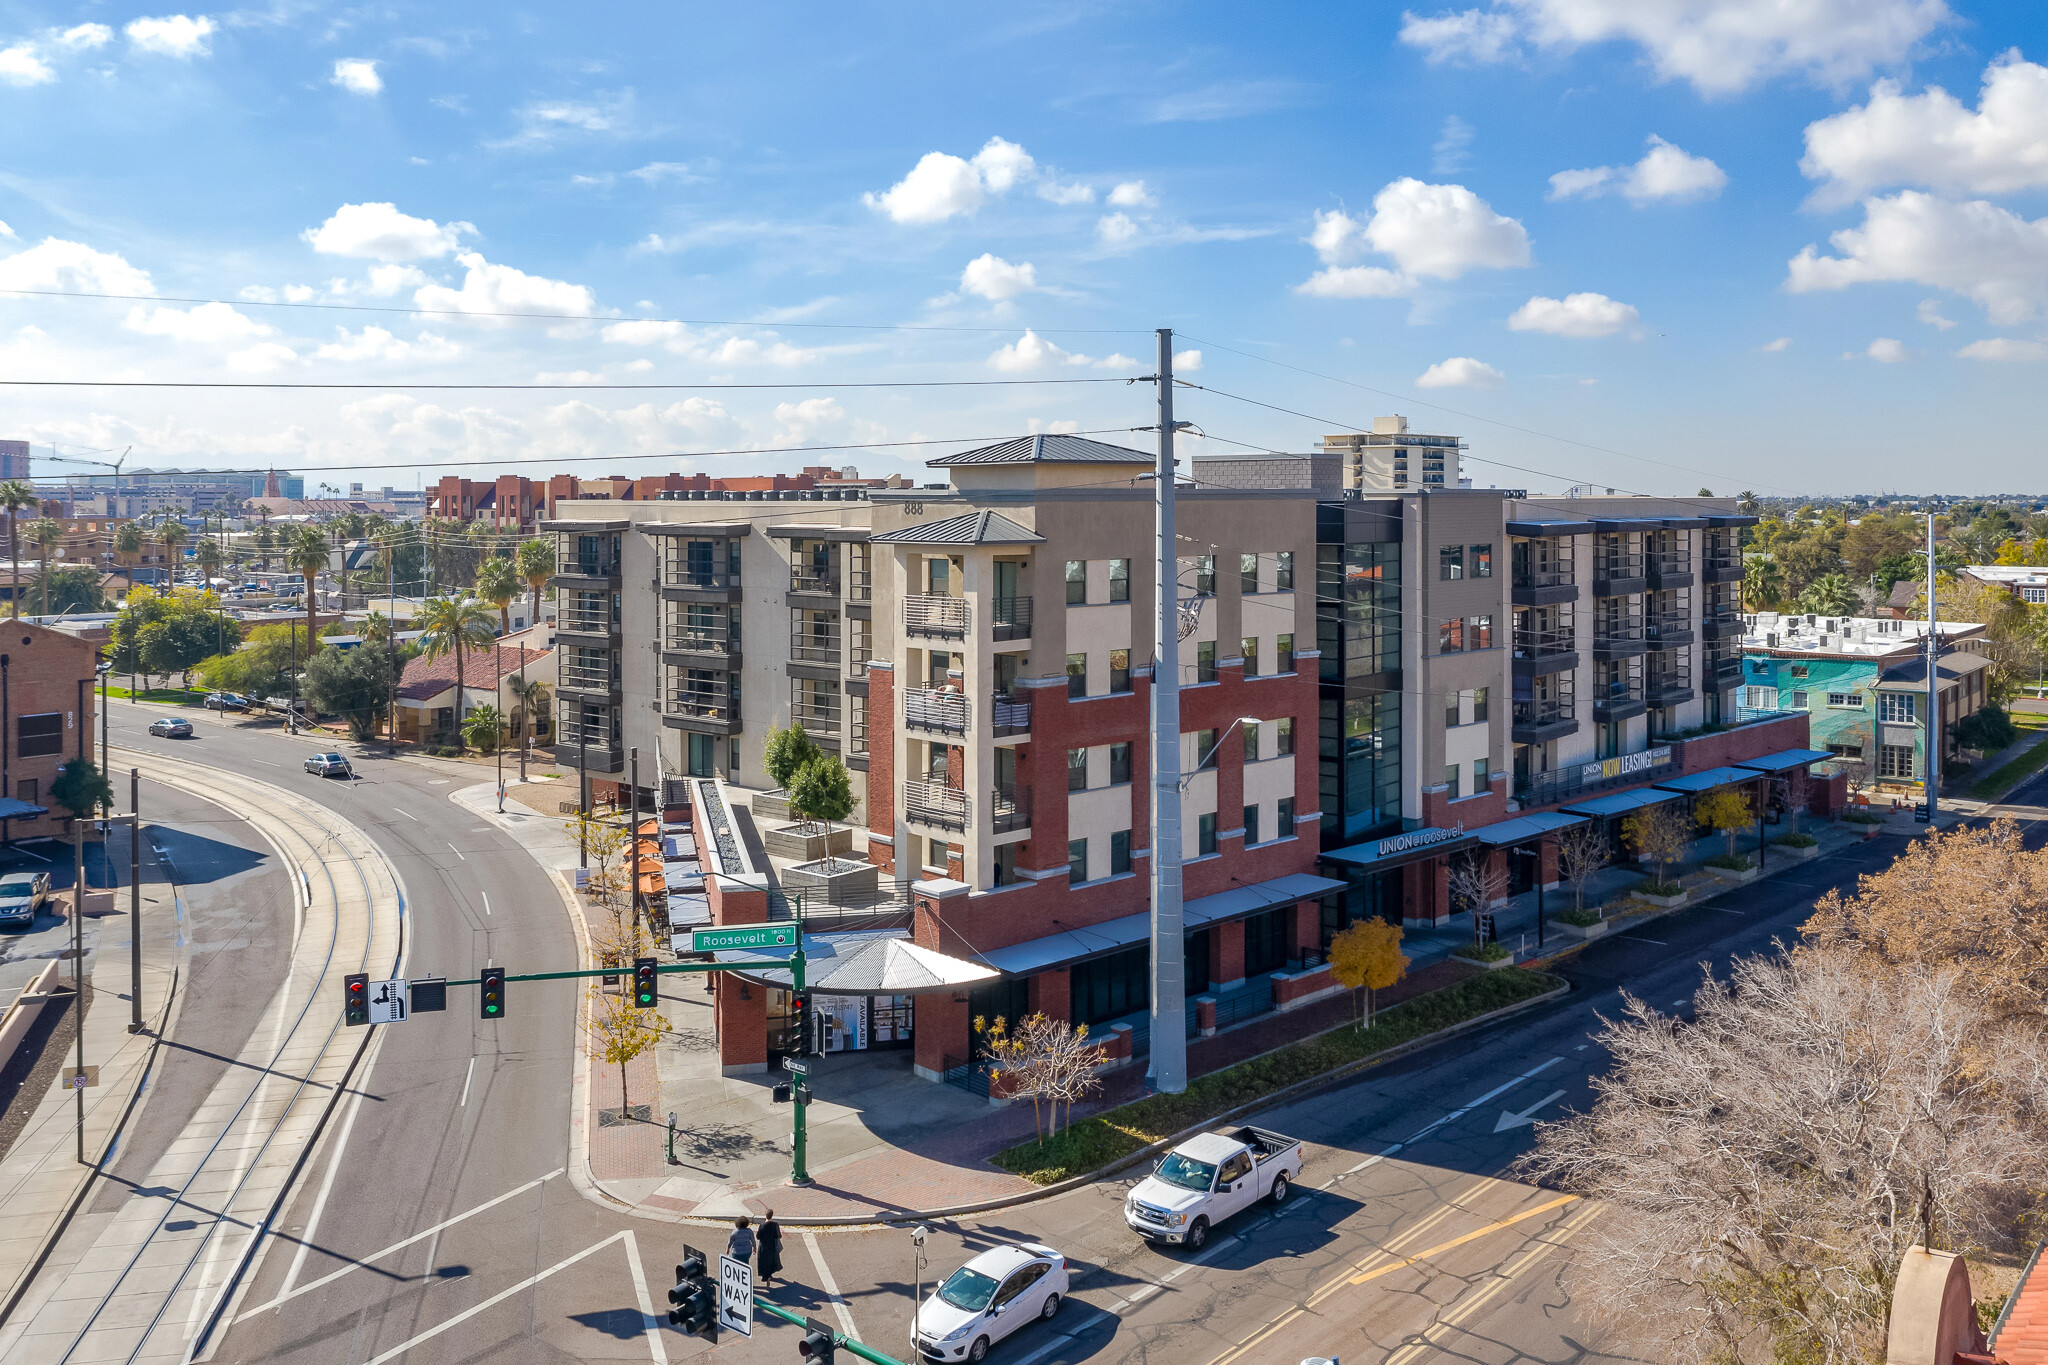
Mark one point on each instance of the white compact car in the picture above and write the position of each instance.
(987, 1299)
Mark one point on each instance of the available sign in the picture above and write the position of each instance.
(1625, 765)
(743, 936)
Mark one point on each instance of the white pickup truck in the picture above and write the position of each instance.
(1206, 1179)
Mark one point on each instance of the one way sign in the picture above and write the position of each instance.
(389, 1002)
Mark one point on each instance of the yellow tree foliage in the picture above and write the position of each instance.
(1974, 898)
(1726, 811)
(1658, 834)
(1368, 956)
(619, 1033)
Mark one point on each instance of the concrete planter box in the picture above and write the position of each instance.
(1579, 931)
(806, 843)
(771, 806)
(1796, 855)
(1664, 902)
(1729, 874)
(1503, 963)
(833, 879)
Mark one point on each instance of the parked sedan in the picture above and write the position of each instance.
(170, 727)
(226, 701)
(329, 765)
(987, 1299)
(21, 895)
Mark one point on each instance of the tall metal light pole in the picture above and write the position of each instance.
(1169, 1069)
(1934, 754)
(135, 899)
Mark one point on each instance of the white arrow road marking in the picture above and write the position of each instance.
(1527, 1118)
(1453, 1117)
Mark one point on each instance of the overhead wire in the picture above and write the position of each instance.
(552, 388)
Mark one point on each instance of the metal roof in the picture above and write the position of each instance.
(1621, 803)
(1053, 449)
(1707, 780)
(1526, 526)
(1520, 827)
(1785, 760)
(973, 528)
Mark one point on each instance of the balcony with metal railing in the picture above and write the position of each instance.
(574, 563)
(1544, 583)
(1668, 686)
(1541, 719)
(936, 710)
(1722, 672)
(1720, 563)
(581, 620)
(808, 578)
(1618, 699)
(705, 708)
(1009, 618)
(1009, 809)
(587, 677)
(1618, 637)
(678, 572)
(1618, 573)
(816, 712)
(860, 585)
(1544, 650)
(1009, 716)
(945, 618)
(1668, 629)
(809, 644)
(683, 636)
(1721, 623)
(927, 802)
(1669, 568)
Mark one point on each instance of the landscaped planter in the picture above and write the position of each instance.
(1730, 874)
(1794, 854)
(833, 879)
(771, 806)
(1493, 966)
(1664, 902)
(1580, 931)
(807, 842)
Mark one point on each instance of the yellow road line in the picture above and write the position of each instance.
(1471, 1236)
(1449, 1321)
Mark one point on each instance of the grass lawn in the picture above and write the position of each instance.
(2005, 778)
(1095, 1142)
(185, 696)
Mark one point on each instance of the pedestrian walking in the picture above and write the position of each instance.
(740, 1244)
(770, 1240)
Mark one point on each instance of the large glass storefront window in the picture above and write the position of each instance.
(1358, 628)
(1113, 986)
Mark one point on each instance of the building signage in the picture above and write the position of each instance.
(1419, 838)
(1625, 765)
(751, 936)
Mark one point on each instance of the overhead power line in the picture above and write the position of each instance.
(552, 388)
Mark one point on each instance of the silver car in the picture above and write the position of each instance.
(21, 895)
(329, 765)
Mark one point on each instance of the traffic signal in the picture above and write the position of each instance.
(694, 1300)
(816, 1345)
(800, 1010)
(645, 997)
(492, 996)
(780, 1094)
(355, 999)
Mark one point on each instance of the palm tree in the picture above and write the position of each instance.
(266, 541)
(532, 698)
(128, 542)
(1761, 583)
(16, 494)
(207, 554)
(1746, 503)
(1829, 595)
(171, 534)
(307, 553)
(497, 582)
(454, 625)
(45, 534)
(536, 560)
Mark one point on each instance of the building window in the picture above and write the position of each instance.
(1110, 986)
(1759, 699)
(1077, 770)
(1248, 574)
(1205, 661)
(1846, 750)
(38, 735)
(1119, 670)
(1283, 654)
(1482, 561)
(1249, 648)
(1251, 743)
(1478, 706)
(1077, 860)
(1006, 864)
(1283, 572)
(1283, 736)
(1799, 700)
(1799, 670)
(1077, 675)
(1480, 634)
(1283, 820)
(1205, 574)
(1205, 749)
(936, 853)
(1895, 761)
(28, 790)
(1480, 783)
(1450, 562)
(1119, 853)
(1251, 825)
(1452, 772)
(1452, 709)
(1205, 835)
(1845, 701)
(1077, 582)
(1450, 636)
(1119, 580)
(1898, 707)
(1119, 764)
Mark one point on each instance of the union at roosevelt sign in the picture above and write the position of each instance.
(1625, 764)
(1417, 838)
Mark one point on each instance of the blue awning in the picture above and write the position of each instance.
(1526, 827)
(1621, 803)
(1694, 783)
(12, 809)
(1786, 761)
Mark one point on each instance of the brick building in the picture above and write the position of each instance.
(47, 714)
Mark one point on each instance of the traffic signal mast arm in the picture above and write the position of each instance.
(844, 1343)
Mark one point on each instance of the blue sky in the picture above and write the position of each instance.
(1582, 225)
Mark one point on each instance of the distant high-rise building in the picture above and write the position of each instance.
(13, 459)
(270, 488)
(1391, 458)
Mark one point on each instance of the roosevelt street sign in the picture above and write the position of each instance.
(743, 936)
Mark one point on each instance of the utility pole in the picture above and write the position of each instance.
(1169, 1070)
(135, 900)
(800, 1089)
(391, 643)
(633, 838)
(78, 969)
(1934, 754)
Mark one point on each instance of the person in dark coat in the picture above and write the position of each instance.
(769, 1241)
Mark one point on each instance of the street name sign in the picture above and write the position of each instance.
(743, 936)
(735, 1296)
(388, 1002)
(795, 1067)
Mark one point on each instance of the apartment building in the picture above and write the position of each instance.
(13, 460)
(512, 502)
(2028, 583)
(47, 715)
(1392, 459)
(1863, 682)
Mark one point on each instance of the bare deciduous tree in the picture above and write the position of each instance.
(1582, 851)
(1476, 883)
(1766, 1165)
(1047, 1059)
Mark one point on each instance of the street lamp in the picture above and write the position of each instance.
(1202, 763)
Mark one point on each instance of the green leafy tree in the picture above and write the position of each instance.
(170, 632)
(787, 750)
(536, 560)
(454, 625)
(209, 557)
(821, 789)
(260, 668)
(15, 494)
(352, 683)
(81, 788)
(498, 582)
(46, 535)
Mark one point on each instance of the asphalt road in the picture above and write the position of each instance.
(436, 1223)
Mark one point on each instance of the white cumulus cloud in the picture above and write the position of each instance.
(1665, 172)
(375, 343)
(1976, 249)
(172, 35)
(6, 231)
(265, 357)
(55, 263)
(991, 277)
(206, 323)
(1033, 352)
(1460, 372)
(1184, 362)
(84, 37)
(20, 65)
(1115, 229)
(1773, 347)
(1356, 282)
(942, 186)
(493, 289)
(1574, 315)
(1933, 140)
(358, 76)
(1719, 46)
(2004, 348)
(1429, 231)
(1054, 192)
(1887, 350)
(381, 233)
(1929, 312)
(1132, 194)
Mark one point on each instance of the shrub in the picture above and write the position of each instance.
(1657, 888)
(1486, 952)
(1579, 919)
(1987, 731)
(1735, 862)
(1863, 817)
(1795, 841)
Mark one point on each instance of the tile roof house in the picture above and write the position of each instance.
(426, 689)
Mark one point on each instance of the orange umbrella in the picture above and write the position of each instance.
(646, 864)
(650, 827)
(652, 886)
